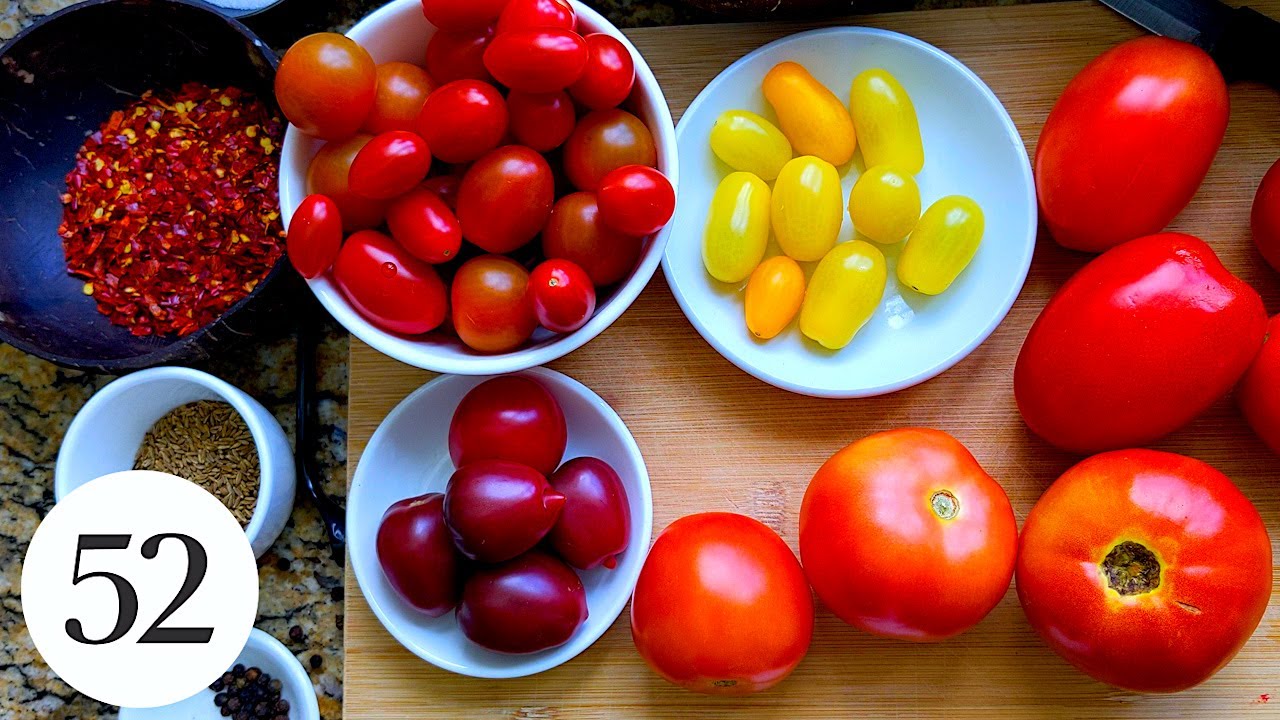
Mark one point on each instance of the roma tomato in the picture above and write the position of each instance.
(944, 241)
(389, 165)
(1146, 570)
(417, 555)
(423, 223)
(512, 417)
(811, 116)
(463, 120)
(1136, 344)
(524, 14)
(884, 119)
(402, 89)
(326, 85)
(903, 534)
(563, 295)
(492, 308)
(315, 236)
(1259, 392)
(636, 200)
(737, 231)
(884, 204)
(505, 198)
(721, 606)
(1129, 142)
(536, 60)
(459, 55)
(843, 293)
(574, 232)
(529, 604)
(773, 296)
(603, 141)
(748, 142)
(497, 509)
(389, 287)
(1265, 218)
(595, 525)
(328, 175)
(610, 73)
(807, 207)
(458, 15)
(542, 121)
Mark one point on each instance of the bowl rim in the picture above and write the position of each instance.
(538, 662)
(1006, 304)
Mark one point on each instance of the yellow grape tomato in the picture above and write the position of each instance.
(886, 122)
(811, 116)
(943, 243)
(746, 141)
(774, 294)
(884, 204)
(843, 293)
(806, 208)
(737, 227)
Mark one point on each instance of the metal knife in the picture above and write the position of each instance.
(1244, 42)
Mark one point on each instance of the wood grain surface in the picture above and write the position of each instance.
(715, 438)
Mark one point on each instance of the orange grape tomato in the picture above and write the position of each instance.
(402, 88)
(773, 296)
(810, 115)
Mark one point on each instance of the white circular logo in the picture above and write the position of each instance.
(139, 589)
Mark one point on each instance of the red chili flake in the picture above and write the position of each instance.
(171, 211)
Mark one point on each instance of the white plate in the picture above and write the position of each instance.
(971, 148)
(408, 456)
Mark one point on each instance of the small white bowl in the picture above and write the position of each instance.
(262, 651)
(409, 456)
(105, 435)
(398, 31)
(971, 148)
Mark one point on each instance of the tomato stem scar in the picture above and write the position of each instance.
(1131, 569)
(945, 505)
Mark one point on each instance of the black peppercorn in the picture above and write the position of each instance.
(282, 706)
(238, 669)
(251, 694)
(295, 633)
(316, 662)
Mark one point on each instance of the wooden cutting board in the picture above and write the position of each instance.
(715, 438)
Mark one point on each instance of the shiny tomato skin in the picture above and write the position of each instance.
(609, 76)
(541, 121)
(498, 509)
(463, 120)
(721, 606)
(325, 85)
(505, 198)
(1128, 143)
(904, 535)
(636, 200)
(315, 236)
(563, 295)
(512, 417)
(422, 222)
(402, 88)
(389, 165)
(519, 14)
(1265, 217)
(531, 603)
(606, 140)
(459, 55)
(389, 287)
(1214, 575)
(492, 308)
(460, 15)
(329, 175)
(1136, 344)
(1259, 391)
(536, 60)
(574, 232)
(417, 555)
(445, 186)
(595, 524)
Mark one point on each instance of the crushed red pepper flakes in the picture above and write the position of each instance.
(171, 211)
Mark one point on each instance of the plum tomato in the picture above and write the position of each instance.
(1265, 217)
(903, 534)
(563, 295)
(1259, 391)
(574, 232)
(389, 165)
(532, 603)
(721, 606)
(492, 309)
(463, 120)
(636, 200)
(446, 186)
(458, 15)
(606, 140)
(328, 175)
(402, 88)
(326, 85)
(315, 236)
(522, 14)
(536, 60)
(497, 509)
(595, 523)
(609, 75)
(417, 555)
(541, 121)
(389, 287)
(505, 198)
(459, 55)
(422, 222)
(509, 418)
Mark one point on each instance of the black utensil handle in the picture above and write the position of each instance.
(1250, 47)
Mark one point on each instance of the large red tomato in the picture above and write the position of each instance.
(903, 534)
(1265, 218)
(1136, 344)
(1146, 570)
(1129, 142)
(1259, 392)
(721, 606)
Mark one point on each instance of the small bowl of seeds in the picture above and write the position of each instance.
(191, 424)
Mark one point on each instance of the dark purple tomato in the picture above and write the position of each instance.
(595, 523)
(532, 603)
(417, 554)
(497, 509)
(509, 418)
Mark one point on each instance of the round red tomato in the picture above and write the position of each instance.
(456, 15)
(575, 233)
(636, 200)
(463, 120)
(315, 236)
(541, 121)
(425, 226)
(1146, 570)
(721, 606)
(606, 140)
(536, 60)
(903, 534)
(522, 14)
(505, 198)
(610, 73)
(512, 418)
(389, 287)
(492, 309)
(1259, 392)
(389, 165)
(563, 296)
(402, 89)
(328, 176)
(1129, 142)
(459, 55)
(1265, 218)
(326, 85)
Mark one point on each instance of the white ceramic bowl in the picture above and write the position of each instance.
(408, 456)
(262, 651)
(971, 148)
(398, 31)
(105, 435)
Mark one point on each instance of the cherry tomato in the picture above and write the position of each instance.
(636, 200)
(903, 534)
(773, 296)
(1259, 391)
(389, 165)
(457, 15)
(844, 292)
(532, 603)
(315, 236)
(1265, 218)
(1147, 570)
(326, 85)
(497, 509)
(512, 417)
(536, 60)
(736, 235)
(417, 555)
(389, 287)
(446, 186)
(523, 14)
(721, 606)
(814, 120)
(463, 120)
(328, 176)
(563, 296)
(492, 310)
(885, 121)
(574, 232)
(402, 89)
(943, 242)
(609, 75)
(595, 524)
(806, 208)
(606, 140)
(542, 121)
(459, 55)
(422, 222)
(505, 198)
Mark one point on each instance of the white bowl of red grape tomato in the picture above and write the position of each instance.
(400, 32)
(409, 456)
